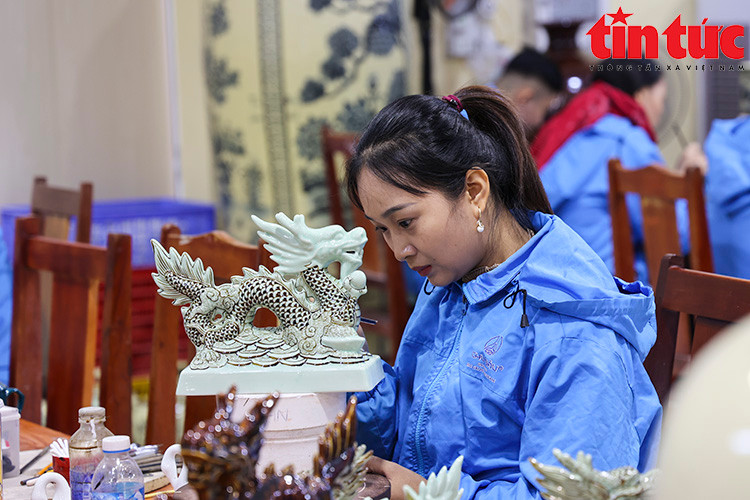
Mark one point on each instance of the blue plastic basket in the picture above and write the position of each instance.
(141, 218)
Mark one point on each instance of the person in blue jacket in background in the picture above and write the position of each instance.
(615, 117)
(5, 310)
(728, 195)
(521, 340)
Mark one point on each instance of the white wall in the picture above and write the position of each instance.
(83, 96)
(196, 159)
(83, 89)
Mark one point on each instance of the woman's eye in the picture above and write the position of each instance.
(380, 229)
(405, 223)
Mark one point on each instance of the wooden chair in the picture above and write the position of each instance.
(226, 256)
(56, 206)
(713, 302)
(658, 188)
(77, 270)
(382, 269)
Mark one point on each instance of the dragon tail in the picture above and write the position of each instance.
(177, 275)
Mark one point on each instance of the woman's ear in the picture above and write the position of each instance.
(478, 187)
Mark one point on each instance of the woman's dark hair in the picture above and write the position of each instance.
(533, 64)
(421, 143)
(615, 73)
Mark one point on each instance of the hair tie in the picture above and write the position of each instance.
(455, 101)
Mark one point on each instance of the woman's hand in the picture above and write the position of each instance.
(692, 156)
(397, 475)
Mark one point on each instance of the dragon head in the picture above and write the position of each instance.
(294, 245)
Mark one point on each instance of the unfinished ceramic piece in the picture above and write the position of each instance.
(221, 456)
(582, 482)
(316, 343)
(445, 486)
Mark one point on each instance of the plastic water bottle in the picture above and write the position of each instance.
(117, 477)
(85, 447)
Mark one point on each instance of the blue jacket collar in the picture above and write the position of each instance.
(559, 272)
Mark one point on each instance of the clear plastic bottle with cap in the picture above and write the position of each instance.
(117, 477)
(85, 447)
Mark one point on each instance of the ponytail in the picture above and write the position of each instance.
(496, 117)
(420, 143)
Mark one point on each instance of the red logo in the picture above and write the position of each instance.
(703, 41)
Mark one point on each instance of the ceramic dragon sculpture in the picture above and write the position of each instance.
(318, 313)
(582, 482)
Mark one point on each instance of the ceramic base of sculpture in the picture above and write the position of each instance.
(292, 431)
(284, 379)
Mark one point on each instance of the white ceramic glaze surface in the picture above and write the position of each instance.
(284, 379)
(291, 433)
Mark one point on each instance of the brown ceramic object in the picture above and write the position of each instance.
(376, 487)
(221, 457)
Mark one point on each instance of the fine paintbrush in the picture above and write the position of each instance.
(680, 136)
(30, 481)
(35, 459)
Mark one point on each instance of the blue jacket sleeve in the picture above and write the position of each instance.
(580, 398)
(520, 489)
(377, 415)
(728, 195)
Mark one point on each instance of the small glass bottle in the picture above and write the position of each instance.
(117, 477)
(85, 447)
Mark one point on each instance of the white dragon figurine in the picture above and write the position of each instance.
(582, 482)
(444, 486)
(318, 313)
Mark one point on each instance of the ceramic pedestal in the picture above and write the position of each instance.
(361, 376)
(293, 427)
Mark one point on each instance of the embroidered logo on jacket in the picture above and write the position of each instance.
(484, 365)
(493, 345)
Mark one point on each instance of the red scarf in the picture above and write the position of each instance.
(582, 111)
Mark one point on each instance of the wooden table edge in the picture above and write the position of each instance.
(34, 436)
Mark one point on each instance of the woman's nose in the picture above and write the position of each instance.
(403, 251)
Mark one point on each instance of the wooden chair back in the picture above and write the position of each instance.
(226, 256)
(332, 145)
(712, 302)
(56, 206)
(658, 188)
(77, 270)
(382, 269)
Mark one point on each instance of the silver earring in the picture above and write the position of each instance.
(480, 226)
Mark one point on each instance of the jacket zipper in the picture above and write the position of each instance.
(419, 443)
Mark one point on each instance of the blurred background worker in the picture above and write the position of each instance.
(616, 117)
(533, 83)
(728, 195)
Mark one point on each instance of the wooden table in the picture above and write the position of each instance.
(35, 437)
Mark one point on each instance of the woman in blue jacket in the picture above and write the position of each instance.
(728, 195)
(521, 341)
(615, 117)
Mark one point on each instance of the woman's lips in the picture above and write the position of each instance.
(423, 271)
